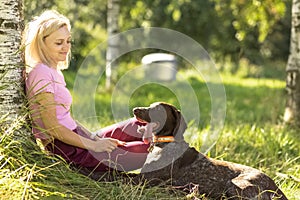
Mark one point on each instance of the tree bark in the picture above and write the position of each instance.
(11, 62)
(292, 109)
(113, 10)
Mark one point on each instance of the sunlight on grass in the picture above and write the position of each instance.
(253, 135)
(253, 82)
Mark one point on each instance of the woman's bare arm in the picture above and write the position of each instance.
(47, 111)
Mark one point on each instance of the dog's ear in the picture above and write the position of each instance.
(180, 126)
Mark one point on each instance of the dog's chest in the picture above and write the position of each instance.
(154, 155)
(163, 157)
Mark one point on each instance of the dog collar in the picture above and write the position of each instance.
(162, 139)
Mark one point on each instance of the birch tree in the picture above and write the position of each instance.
(11, 65)
(113, 10)
(292, 110)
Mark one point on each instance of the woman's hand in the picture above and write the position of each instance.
(106, 144)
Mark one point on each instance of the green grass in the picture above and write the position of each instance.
(28, 173)
(253, 135)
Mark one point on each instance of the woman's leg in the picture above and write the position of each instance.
(131, 156)
(126, 158)
(124, 131)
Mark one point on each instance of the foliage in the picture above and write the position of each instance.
(228, 30)
(232, 28)
(247, 15)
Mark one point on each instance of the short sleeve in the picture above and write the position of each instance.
(39, 80)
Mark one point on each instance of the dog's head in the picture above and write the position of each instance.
(168, 119)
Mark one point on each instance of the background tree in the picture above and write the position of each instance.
(11, 64)
(113, 10)
(292, 110)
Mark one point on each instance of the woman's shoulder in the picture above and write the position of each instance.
(40, 78)
(41, 71)
(41, 68)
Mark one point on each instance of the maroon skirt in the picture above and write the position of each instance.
(126, 158)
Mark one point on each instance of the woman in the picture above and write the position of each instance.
(47, 41)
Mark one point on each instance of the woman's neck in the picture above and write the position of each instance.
(53, 65)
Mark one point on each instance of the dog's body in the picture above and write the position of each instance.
(183, 166)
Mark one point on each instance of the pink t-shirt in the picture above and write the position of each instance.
(45, 79)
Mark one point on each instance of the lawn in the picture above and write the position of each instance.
(252, 133)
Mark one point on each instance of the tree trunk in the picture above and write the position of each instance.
(11, 63)
(292, 109)
(113, 10)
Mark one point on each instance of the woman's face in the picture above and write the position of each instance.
(58, 44)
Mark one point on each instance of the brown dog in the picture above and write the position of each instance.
(178, 164)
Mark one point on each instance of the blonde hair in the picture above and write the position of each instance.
(34, 39)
